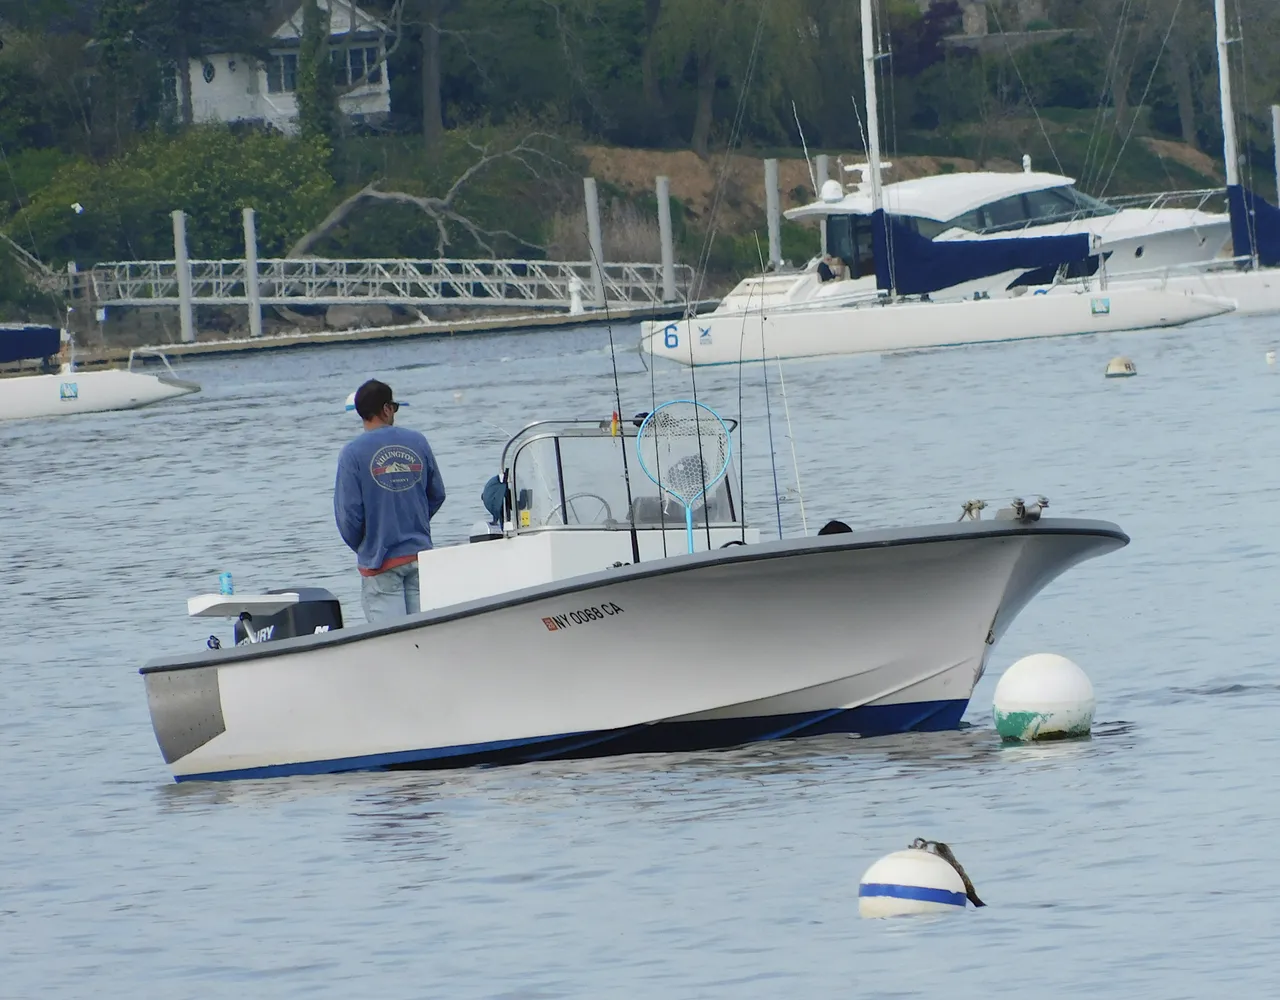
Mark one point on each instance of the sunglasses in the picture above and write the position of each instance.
(395, 407)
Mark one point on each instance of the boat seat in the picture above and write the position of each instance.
(647, 510)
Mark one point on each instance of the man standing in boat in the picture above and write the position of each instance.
(387, 491)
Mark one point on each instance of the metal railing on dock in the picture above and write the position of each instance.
(403, 282)
(573, 286)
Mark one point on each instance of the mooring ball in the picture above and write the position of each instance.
(910, 881)
(1121, 367)
(1043, 696)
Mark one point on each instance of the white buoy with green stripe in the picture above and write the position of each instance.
(925, 878)
(1043, 697)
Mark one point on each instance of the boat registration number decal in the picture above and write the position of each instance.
(596, 614)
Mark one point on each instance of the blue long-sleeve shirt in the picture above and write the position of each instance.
(387, 491)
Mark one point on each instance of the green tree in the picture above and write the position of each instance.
(210, 172)
(318, 114)
(430, 17)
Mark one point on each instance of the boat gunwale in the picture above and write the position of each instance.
(732, 554)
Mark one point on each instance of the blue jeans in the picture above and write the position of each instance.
(391, 594)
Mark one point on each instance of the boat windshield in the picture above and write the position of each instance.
(570, 474)
(1035, 208)
(849, 239)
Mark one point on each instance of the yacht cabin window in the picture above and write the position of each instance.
(1035, 208)
(849, 239)
(849, 236)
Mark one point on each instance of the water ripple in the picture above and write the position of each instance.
(1129, 864)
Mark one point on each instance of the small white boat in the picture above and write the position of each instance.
(582, 626)
(72, 390)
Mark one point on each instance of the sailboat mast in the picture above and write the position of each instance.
(1229, 151)
(873, 116)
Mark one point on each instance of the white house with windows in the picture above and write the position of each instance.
(227, 87)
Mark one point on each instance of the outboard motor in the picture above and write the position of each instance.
(317, 610)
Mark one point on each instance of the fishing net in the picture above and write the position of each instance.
(684, 447)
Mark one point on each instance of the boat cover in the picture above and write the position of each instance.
(910, 264)
(1255, 226)
(25, 342)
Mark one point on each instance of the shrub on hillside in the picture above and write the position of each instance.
(209, 172)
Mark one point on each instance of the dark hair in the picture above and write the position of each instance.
(371, 398)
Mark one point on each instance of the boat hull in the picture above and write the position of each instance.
(718, 339)
(875, 633)
(27, 396)
(1142, 239)
(1254, 292)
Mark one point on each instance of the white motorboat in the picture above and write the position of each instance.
(981, 206)
(581, 625)
(986, 205)
(997, 208)
(72, 390)
(989, 285)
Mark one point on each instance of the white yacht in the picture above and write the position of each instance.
(983, 206)
(947, 261)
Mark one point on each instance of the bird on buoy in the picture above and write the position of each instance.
(1043, 697)
(945, 853)
(1121, 367)
(925, 878)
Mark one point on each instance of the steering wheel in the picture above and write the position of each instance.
(569, 509)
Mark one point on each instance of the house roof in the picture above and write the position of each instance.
(345, 18)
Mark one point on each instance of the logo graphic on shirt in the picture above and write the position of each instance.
(396, 468)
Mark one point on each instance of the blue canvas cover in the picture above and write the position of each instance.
(27, 343)
(921, 265)
(1255, 226)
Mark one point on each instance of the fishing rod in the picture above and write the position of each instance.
(768, 409)
(617, 402)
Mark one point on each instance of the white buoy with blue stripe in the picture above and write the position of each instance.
(1043, 696)
(925, 878)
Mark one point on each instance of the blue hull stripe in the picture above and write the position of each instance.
(912, 892)
(661, 737)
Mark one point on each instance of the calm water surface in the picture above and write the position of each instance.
(1138, 864)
